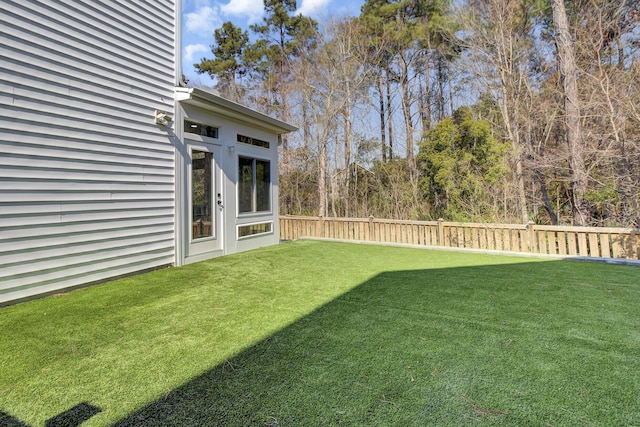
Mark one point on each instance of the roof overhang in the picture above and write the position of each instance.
(209, 101)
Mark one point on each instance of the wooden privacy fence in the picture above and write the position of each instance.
(531, 238)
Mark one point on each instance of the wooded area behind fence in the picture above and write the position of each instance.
(531, 238)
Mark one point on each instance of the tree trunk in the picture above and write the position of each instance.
(383, 125)
(406, 111)
(389, 115)
(322, 178)
(513, 134)
(441, 108)
(426, 118)
(568, 74)
(306, 132)
(553, 216)
(348, 146)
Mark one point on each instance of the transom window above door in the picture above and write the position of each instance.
(200, 129)
(252, 141)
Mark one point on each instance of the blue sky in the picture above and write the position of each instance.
(201, 17)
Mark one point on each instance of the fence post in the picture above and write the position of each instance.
(440, 232)
(371, 237)
(320, 227)
(530, 237)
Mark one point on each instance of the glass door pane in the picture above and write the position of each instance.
(201, 194)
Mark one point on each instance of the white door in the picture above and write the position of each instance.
(204, 228)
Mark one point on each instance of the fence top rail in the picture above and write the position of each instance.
(363, 220)
(408, 222)
(399, 221)
(484, 226)
(535, 227)
(577, 229)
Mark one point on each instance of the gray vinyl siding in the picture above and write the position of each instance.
(87, 180)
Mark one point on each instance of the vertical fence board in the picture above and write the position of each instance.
(475, 237)
(605, 245)
(482, 238)
(594, 246)
(571, 243)
(540, 237)
(524, 240)
(515, 240)
(582, 244)
(491, 239)
(553, 242)
(499, 242)
(531, 238)
(562, 243)
(506, 239)
(459, 237)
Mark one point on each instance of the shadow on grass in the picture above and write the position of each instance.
(430, 347)
(70, 418)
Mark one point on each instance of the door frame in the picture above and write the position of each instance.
(207, 247)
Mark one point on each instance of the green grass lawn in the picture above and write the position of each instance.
(314, 333)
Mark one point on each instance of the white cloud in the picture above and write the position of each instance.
(313, 7)
(192, 49)
(203, 20)
(251, 9)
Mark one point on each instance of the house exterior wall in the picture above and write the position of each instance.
(230, 150)
(271, 216)
(87, 179)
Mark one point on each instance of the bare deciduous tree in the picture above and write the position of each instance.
(575, 145)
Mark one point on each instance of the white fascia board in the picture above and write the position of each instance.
(215, 103)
